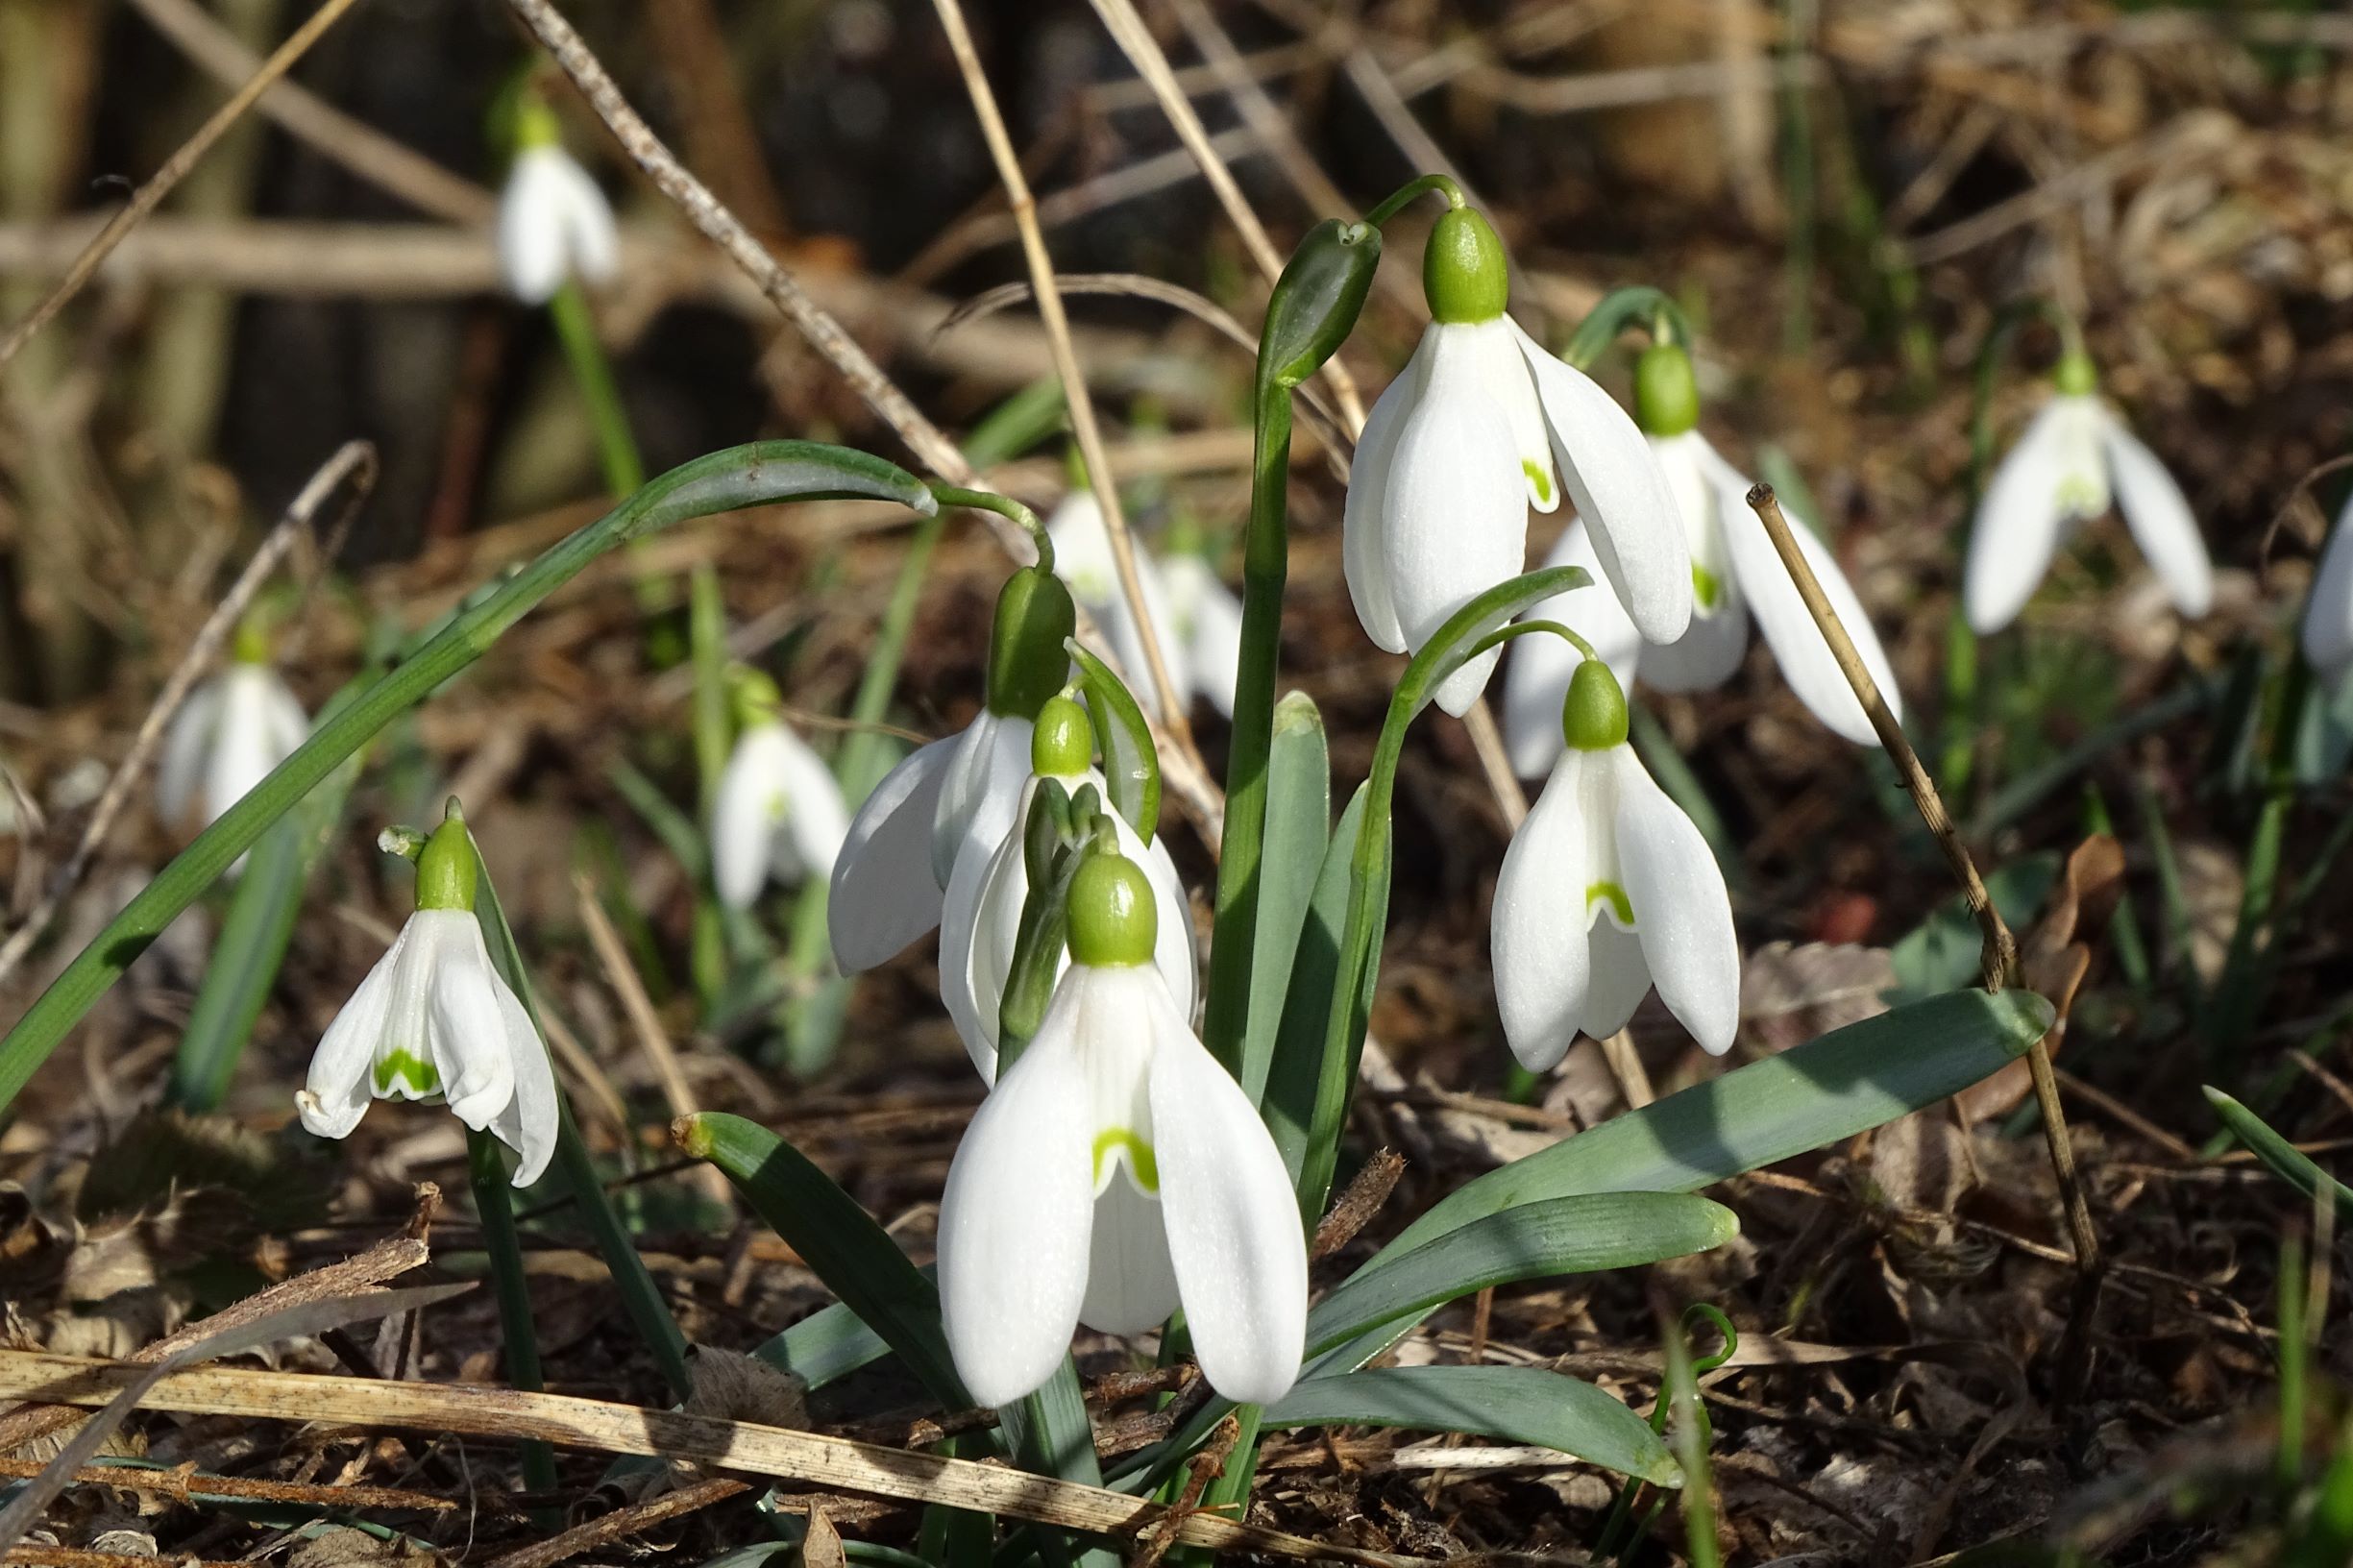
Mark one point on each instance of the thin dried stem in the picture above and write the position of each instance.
(175, 169)
(355, 464)
(1076, 396)
(1999, 955)
(1496, 763)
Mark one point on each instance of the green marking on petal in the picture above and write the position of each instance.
(401, 1066)
(1621, 907)
(1538, 480)
(1707, 587)
(2080, 496)
(1140, 1157)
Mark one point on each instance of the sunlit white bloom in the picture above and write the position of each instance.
(778, 812)
(1083, 559)
(1481, 425)
(1736, 575)
(1209, 618)
(1606, 889)
(2328, 614)
(982, 914)
(1116, 1172)
(227, 738)
(2073, 459)
(553, 224)
(433, 1021)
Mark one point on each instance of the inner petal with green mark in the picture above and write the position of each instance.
(1613, 897)
(1113, 1143)
(1539, 480)
(1707, 588)
(399, 1068)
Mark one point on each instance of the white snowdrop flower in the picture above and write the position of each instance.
(1481, 424)
(1116, 1172)
(958, 792)
(2073, 459)
(981, 916)
(778, 810)
(229, 735)
(1083, 559)
(433, 1021)
(1736, 576)
(2328, 614)
(1606, 889)
(1209, 618)
(553, 220)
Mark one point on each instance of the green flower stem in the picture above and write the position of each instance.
(624, 471)
(494, 1206)
(706, 622)
(1637, 306)
(1408, 194)
(1005, 507)
(754, 474)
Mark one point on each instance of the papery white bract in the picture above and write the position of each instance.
(2327, 632)
(778, 811)
(553, 224)
(227, 738)
(2072, 458)
(1083, 559)
(433, 1020)
(1607, 889)
(1113, 1174)
(1209, 618)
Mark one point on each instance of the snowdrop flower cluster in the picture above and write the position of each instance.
(1607, 889)
(554, 223)
(2328, 614)
(2074, 458)
(987, 891)
(230, 734)
(1115, 1173)
(906, 840)
(778, 810)
(1196, 619)
(1736, 575)
(1481, 425)
(433, 1021)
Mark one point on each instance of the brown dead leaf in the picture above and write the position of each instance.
(2052, 962)
(1790, 993)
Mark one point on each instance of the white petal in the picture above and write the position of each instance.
(1016, 1221)
(1537, 927)
(528, 1125)
(1174, 952)
(984, 780)
(593, 243)
(1454, 522)
(883, 895)
(1536, 675)
(1620, 976)
(335, 1092)
(1608, 471)
(745, 811)
(816, 822)
(1211, 616)
(185, 746)
(1131, 1281)
(288, 726)
(465, 1033)
(2019, 523)
(979, 924)
(1514, 391)
(1704, 656)
(1361, 555)
(2158, 514)
(531, 232)
(1233, 1230)
(244, 738)
(1682, 911)
(2328, 615)
(1084, 560)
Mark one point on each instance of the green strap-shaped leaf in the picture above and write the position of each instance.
(761, 473)
(1295, 1069)
(1513, 1404)
(2280, 1157)
(1298, 831)
(1131, 763)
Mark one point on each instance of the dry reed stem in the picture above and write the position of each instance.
(175, 169)
(620, 1523)
(1076, 396)
(185, 1483)
(354, 462)
(601, 1427)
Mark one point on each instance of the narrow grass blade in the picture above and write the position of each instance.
(2280, 1157)
(1511, 1403)
(1298, 832)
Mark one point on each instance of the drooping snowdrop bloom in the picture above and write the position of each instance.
(1606, 889)
(1116, 1172)
(1083, 559)
(1209, 618)
(1736, 575)
(553, 220)
(433, 1021)
(959, 790)
(2328, 614)
(229, 735)
(778, 810)
(982, 915)
(2074, 459)
(1481, 425)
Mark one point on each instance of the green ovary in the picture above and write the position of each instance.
(1140, 1158)
(1706, 587)
(1621, 907)
(1538, 480)
(401, 1066)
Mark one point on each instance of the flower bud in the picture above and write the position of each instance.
(753, 696)
(1463, 271)
(1061, 744)
(1027, 662)
(1666, 394)
(2074, 375)
(1112, 921)
(1593, 716)
(446, 867)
